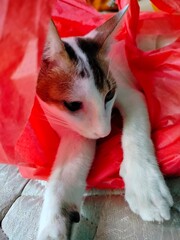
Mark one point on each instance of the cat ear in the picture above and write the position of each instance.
(104, 34)
(53, 45)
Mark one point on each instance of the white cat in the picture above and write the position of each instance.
(78, 86)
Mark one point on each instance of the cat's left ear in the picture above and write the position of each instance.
(104, 34)
(54, 44)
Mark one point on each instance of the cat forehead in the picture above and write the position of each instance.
(84, 53)
(75, 74)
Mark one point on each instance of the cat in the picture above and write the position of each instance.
(78, 86)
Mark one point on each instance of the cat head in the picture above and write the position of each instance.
(75, 84)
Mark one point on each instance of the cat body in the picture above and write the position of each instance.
(78, 86)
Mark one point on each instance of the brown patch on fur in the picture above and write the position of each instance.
(54, 83)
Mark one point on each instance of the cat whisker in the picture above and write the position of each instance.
(54, 120)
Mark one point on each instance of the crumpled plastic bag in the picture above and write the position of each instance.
(170, 6)
(23, 28)
(156, 70)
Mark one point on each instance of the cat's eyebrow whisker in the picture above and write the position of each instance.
(53, 119)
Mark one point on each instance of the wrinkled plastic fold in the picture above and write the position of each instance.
(23, 27)
(170, 6)
(149, 44)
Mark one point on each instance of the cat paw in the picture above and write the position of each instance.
(48, 236)
(53, 231)
(146, 193)
(56, 229)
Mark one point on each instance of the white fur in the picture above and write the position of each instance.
(145, 188)
(66, 184)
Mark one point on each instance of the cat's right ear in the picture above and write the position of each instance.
(53, 45)
(105, 34)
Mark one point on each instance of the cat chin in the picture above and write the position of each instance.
(92, 137)
(95, 136)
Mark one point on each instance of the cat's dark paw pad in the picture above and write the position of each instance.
(74, 216)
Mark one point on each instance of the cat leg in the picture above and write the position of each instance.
(145, 188)
(66, 187)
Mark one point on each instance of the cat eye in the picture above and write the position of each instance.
(110, 95)
(73, 106)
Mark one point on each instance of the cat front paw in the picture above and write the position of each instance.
(55, 227)
(48, 235)
(146, 192)
(54, 230)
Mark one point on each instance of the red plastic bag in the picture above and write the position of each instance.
(170, 6)
(158, 79)
(23, 27)
(75, 18)
(158, 74)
